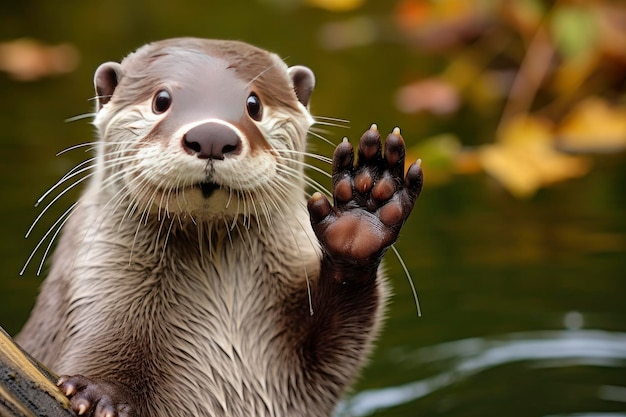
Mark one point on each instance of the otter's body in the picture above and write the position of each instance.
(185, 277)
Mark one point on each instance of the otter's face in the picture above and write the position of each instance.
(204, 128)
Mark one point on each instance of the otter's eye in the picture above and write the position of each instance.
(162, 101)
(253, 105)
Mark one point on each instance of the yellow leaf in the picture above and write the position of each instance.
(510, 169)
(526, 132)
(524, 159)
(593, 126)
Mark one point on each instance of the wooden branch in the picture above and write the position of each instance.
(27, 388)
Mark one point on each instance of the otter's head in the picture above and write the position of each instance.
(202, 127)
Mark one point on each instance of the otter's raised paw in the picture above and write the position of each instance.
(95, 398)
(372, 200)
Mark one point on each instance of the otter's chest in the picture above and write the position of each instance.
(221, 351)
(203, 336)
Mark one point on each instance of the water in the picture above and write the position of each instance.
(524, 302)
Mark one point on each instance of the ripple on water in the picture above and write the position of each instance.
(462, 360)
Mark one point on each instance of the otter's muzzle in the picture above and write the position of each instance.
(212, 141)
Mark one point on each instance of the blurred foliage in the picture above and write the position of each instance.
(28, 60)
(554, 71)
(541, 79)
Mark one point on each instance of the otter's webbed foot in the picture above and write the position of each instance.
(372, 200)
(97, 398)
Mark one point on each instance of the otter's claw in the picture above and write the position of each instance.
(95, 398)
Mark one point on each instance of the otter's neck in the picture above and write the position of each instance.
(115, 237)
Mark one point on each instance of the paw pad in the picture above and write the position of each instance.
(372, 199)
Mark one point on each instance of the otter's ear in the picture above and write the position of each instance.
(105, 80)
(303, 81)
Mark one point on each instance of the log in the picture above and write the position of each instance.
(27, 388)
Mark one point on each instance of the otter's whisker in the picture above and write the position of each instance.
(200, 242)
(333, 119)
(45, 209)
(294, 174)
(70, 174)
(80, 117)
(408, 276)
(67, 214)
(180, 220)
(100, 97)
(42, 240)
(159, 231)
(306, 274)
(238, 211)
(317, 135)
(261, 74)
(101, 217)
(77, 146)
(229, 228)
(167, 238)
(269, 213)
(138, 184)
(230, 196)
(143, 220)
(77, 170)
(322, 158)
(312, 167)
(92, 145)
(265, 209)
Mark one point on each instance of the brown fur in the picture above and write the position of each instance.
(200, 306)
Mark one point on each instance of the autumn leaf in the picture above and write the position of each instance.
(431, 94)
(524, 158)
(593, 126)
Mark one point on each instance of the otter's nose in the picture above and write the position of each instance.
(211, 141)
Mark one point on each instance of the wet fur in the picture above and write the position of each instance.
(199, 311)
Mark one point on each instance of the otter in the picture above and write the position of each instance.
(195, 276)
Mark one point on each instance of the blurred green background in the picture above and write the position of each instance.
(517, 245)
